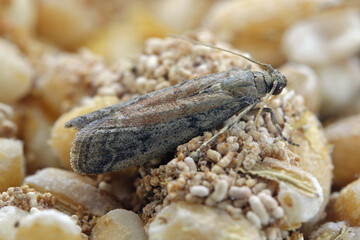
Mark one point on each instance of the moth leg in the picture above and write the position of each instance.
(274, 122)
(266, 99)
(224, 129)
(259, 111)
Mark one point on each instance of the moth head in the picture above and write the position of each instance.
(280, 81)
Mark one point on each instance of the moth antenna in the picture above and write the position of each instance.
(221, 49)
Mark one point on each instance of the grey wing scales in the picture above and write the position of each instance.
(98, 149)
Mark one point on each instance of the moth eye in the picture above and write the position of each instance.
(279, 88)
(282, 82)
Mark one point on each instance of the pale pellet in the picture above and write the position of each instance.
(190, 163)
(278, 212)
(218, 170)
(234, 147)
(154, 46)
(221, 189)
(279, 113)
(233, 144)
(253, 218)
(222, 148)
(259, 187)
(239, 192)
(250, 182)
(181, 181)
(210, 202)
(269, 125)
(199, 191)
(258, 208)
(231, 139)
(240, 182)
(225, 161)
(140, 82)
(273, 233)
(266, 191)
(33, 199)
(249, 162)
(105, 186)
(213, 155)
(171, 164)
(182, 166)
(152, 62)
(234, 211)
(162, 85)
(269, 202)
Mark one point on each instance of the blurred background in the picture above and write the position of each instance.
(314, 42)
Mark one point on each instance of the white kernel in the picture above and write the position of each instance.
(140, 82)
(231, 139)
(213, 155)
(225, 161)
(199, 191)
(250, 182)
(182, 166)
(197, 177)
(240, 182)
(221, 189)
(279, 113)
(258, 208)
(190, 163)
(105, 186)
(260, 120)
(266, 191)
(150, 85)
(6, 111)
(218, 170)
(268, 201)
(263, 130)
(234, 147)
(154, 45)
(189, 197)
(222, 148)
(34, 210)
(253, 218)
(160, 72)
(249, 163)
(273, 233)
(258, 187)
(239, 192)
(152, 62)
(278, 212)
(210, 202)
(233, 144)
(233, 210)
(275, 103)
(33, 199)
(75, 218)
(181, 182)
(298, 100)
(171, 164)
(162, 85)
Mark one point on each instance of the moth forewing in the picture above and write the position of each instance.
(159, 97)
(155, 124)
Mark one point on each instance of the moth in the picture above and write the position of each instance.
(135, 131)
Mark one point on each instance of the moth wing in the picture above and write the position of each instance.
(173, 93)
(122, 140)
